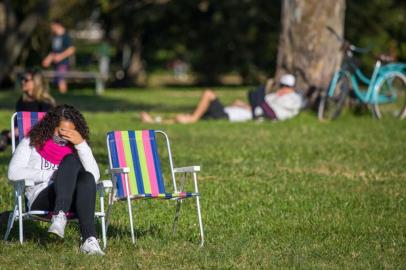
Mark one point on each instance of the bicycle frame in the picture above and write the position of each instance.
(380, 73)
(381, 88)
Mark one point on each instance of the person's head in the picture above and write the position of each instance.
(57, 27)
(287, 80)
(60, 117)
(35, 87)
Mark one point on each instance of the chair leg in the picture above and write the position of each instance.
(131, 219)
(103, 220)
(10, 222)
(111, 202)
(20, 217)
(175, 220)
(104, 235)
(199, 215)
(108, 216)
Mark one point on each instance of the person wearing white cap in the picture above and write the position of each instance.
(283, 104)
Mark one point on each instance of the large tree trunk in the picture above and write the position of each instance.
(135, 71)
(13, 34)
(306, 48)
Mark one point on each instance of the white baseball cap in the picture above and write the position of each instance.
(288, 80)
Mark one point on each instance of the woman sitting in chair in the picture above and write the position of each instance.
(35, 98)
(57, 157)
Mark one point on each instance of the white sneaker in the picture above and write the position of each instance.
(91, 246)
(58, 224)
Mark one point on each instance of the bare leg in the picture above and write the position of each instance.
(207, 97)
(146, 118)
(63, 86)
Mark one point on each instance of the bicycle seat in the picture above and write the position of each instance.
(386, 58)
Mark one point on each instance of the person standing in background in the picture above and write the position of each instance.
(62, 49)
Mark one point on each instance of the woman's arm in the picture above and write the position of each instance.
(18, 168)
(88, 161)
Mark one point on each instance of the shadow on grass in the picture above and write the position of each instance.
(34, 232)
(124, 232)
(201, 87)
(5, 159)
(8, 99)
(111, 104)
(87, 101)
(93, 103)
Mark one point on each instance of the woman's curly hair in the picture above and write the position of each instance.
(45, 128)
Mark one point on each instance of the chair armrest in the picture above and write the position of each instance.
(119, 170)
(104, 184)
(24, 182)
(29, 183)
(189, 169)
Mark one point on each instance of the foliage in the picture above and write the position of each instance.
(379, 25)
(214, 37)
(217, 37)
(294, 194)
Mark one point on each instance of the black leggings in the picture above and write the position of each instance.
(74, 190)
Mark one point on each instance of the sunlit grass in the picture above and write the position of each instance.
(299, 193)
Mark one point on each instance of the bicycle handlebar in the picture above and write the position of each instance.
(346, 45)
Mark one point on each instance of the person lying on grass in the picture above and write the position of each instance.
(283, 104)
(56, 156)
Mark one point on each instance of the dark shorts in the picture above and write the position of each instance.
(215, 111)
(61, 70)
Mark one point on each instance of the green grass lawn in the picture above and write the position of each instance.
(294, 194)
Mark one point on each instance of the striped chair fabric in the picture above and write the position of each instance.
(138, 151)
(26, 120)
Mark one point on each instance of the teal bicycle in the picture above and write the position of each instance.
(384, 91)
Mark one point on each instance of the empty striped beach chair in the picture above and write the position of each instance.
(23, 122)
(136, 173)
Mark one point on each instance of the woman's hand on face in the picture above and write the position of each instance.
(71, 135)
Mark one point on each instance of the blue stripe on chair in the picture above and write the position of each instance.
(20, 126)
(136, 161)
(34, 118)
(161, 185)
(115, 163)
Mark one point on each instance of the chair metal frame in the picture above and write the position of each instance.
(20, 214)
(181, 170)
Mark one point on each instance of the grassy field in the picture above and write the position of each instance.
(294, 194)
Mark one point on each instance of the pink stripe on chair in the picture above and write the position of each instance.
(26, 122)
(121, 157)
(150, 162)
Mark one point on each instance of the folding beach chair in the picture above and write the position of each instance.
(136, 173)
(24, 121)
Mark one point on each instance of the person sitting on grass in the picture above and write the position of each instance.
(57, 157)
(35, 98)
(283, 104)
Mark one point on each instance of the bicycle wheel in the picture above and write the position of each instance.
(391, 97)
(330, 107)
